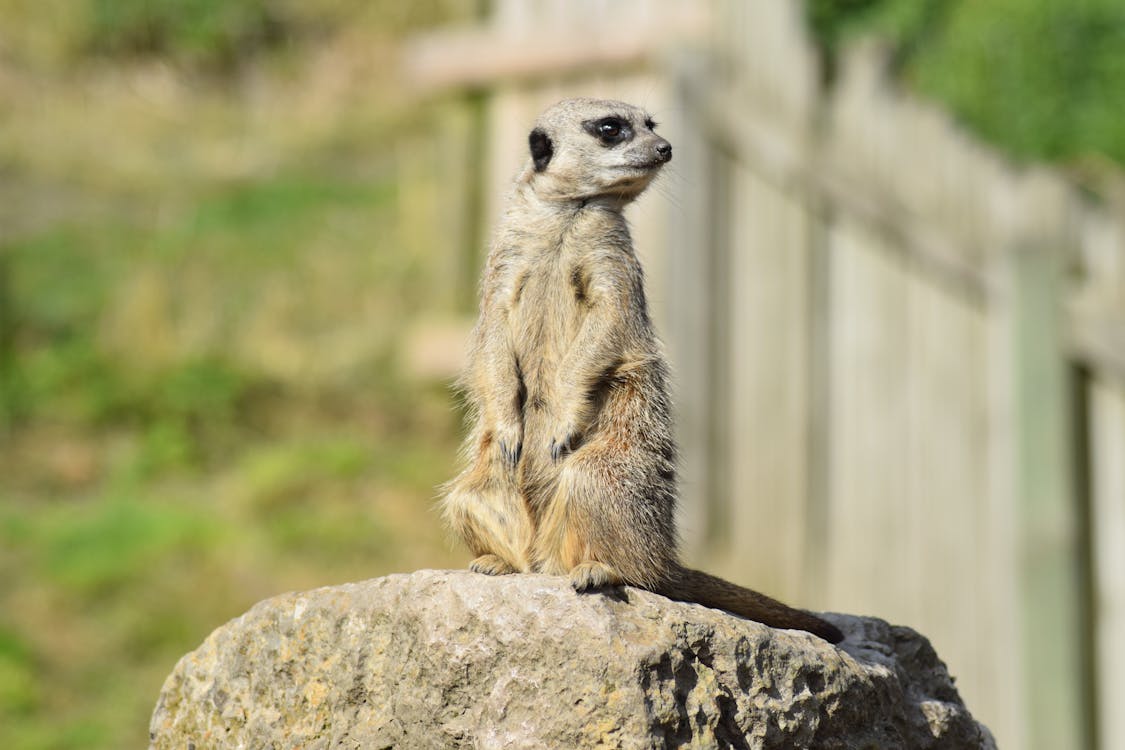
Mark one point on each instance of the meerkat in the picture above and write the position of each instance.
(570, 463)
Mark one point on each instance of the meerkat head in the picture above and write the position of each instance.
(591, 148)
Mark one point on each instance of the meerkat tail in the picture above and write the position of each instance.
(687, 585)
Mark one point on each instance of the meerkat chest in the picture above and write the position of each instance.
(560, 277)
(550, 302)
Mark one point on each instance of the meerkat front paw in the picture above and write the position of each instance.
(569, 423)
(509, 442)
(492, 565)
(564, 439)
(561, 445)
(593, 575)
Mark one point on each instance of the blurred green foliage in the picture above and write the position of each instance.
(205, 282)
(1040, 78)
(212, 31)
(214, 34)
(64, 278)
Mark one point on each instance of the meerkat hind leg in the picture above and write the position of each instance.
(485, 508)
(572, 537)
(593, 575)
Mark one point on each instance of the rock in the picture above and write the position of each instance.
(442, 659)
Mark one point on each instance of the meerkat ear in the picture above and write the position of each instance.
(541, 148)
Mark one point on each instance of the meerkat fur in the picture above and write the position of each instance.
(570, 464)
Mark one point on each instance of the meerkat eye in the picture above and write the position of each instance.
(651, 124)
(609, 130)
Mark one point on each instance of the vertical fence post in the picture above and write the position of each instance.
(690, 245)
(1107, 444)
(475, 234)
(818, 555)
(1048, 564)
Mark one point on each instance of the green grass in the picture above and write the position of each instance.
(233, 241)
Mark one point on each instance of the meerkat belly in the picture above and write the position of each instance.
(543, 330)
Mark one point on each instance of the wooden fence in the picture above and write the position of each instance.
(900, 362)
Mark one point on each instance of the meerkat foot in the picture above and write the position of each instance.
(593, 575)
(492, 565)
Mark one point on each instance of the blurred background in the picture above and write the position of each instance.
(239, 244)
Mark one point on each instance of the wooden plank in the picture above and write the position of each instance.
(910, 459)
(686, 297)
(1002, 660)
(868, 423)
(769, 386)
(482, 57)
(1049, 559)
(765, 44)
(818, 552)
(760, 141)
(948, 459)
(1096, 307)
(719, 421)
(768, 351)
(1107, 453)
(909, 456)
(1098, 340)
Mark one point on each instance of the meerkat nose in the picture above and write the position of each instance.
(664, 151)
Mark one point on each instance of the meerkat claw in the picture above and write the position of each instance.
(509, 442)
(491, 565)
(592, 575)
(511, 454)
(562, 446)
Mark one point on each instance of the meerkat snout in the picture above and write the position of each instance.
(664, 150)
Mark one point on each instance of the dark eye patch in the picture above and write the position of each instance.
(651, 124)
(609, 130)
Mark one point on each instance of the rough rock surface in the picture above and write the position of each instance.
(441, 659)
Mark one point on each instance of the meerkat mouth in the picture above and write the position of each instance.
(647, 166)
(636, 177)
